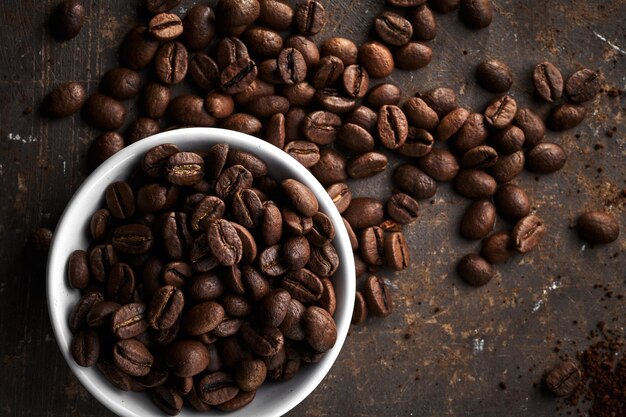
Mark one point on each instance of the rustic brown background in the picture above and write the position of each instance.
(447, 347)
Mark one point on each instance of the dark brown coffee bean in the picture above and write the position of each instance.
(274, 307)
(275, 130)
(364, 212)
(378, 297)
(187, 358)
(292, 66)
(78, 316)
(376, 58)
(327, 71)
(101, 259)
(185, 168)
(566, 116)
(296, 252)
(141, 128)
(236, 77)
(129, 321)
(120, 285)
(199, 27)
(402, 208)
(202, 318)
(207, 210)
(205, 287)
(160, 6)
(439, 164)
(246, 208)
(155, 161)
(393, 29)
(367, 165)
(363, 117)
(508, 167)
(480, 157)
(67, 20)
(475, 184)
(250, 374)
(266, 43)
(355, 138)
(598, 227)
(255, 284)
(392, 126)
(104, 112)
(444, 6)
(307, 48)
(497, 248)
(532, 126)
(354, 242)
(420, 115)
(120, 200)
(452, 123)
(359, 314)
(341, 196)
(546, 158)
(512, 202)
(548, 82)
(319, 328)
(495, 76)
(132, 357)
(291, 327)
(476, 14)
(238, 13)
(265, 341)
(300, 94)
(85, 348)
(271, 224)
(165, 308)
(275, 14)
(473, 133)
(303, 285)
(475, 270)
(295, 223)
(138, 49)
(331, 167)
(154, 100)
(413, 56)
(115, 376)
(244, 123)
(372, 245)
(419, 142)
(478, 220)
(176, 236)
(397, 254)
(501, 111)
(165, 27)
(508, 140)
(342, 48)
(78, 269)
(355, 81)
(310, 17)
(423, 22)
(324, 260)
(301, 197)
(167, 399)
(267, 106)
(332, 100)
(224, 242)
(204, 72)
(382, 94)
(305, 152)
(177, 274)
(563, 379)
(189, 109)
(583, 85)
(239, 401)
(233, 179)
(151, 198)
(323, 230)
(441, 100)
(65, 100)
(229, 51)
(171, 63)
(527, 233)
(414, 181)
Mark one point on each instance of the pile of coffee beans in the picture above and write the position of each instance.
(204, 277)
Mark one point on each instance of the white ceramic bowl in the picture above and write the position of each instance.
(272, 399)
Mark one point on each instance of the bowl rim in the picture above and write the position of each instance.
(57, 263)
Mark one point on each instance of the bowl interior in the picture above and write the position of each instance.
(273, 399)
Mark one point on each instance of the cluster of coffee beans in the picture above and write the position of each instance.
(204, 277)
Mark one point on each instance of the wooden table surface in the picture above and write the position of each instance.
(447, 347)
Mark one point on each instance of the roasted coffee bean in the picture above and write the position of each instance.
(177, 274)
(138, 49)
(439, 164)
(167, 399)
(67, 20)
(274, 307)
(322, 231)
(271, 262)
(305, 152)
(501, 111)
(165, 27)
(310, 18)
(476, 14)
(204, 72)
(104, 112)
(165, 308)
(205, 287)
(406, 3)
(414, 181)
(120, 285)
(155, 160)
(363, 117)
(364, 212)
(160, 6)
(341, 196)
(300, 94)
(187, 358)
(176, 236)
(497, 248)
(474, 270)
(132, 357)
(397, 254)
(475, 184)
(78, 316)
(238, 13)
(480, 157)
(583, 85)
(265, 43)
(495, 76)
(185, 168)
(385, 93)
(207, 210)
(301, 197)
(598, 227)
(199, 27)
(444, 6)
(527, 233)
(532, 126)
(355, 138)
(413, 56)
(229, 51)
(307, 48)
(155, 100)
(324, 260)
(378, 297)
(202, 318)
(508, 167)
(189, 109)
(233, 179)
(171, 63)
(236, 77)
(402, 208)
(327, 71)
(255, 284)
(376, 58)
(548, 82)
(65, 100)
(442, 100)
(267, 106)
(129, 321)
(563, 379)
(303, 285)
(239, 401)
(151, 198)
(355, 81)
(332, 100)
(566, 116)
(246, 208)
(393, 29)
(101, 259)
(423, 23)
(217, 388)
(508, 140)
(359, 314)
(114, 375)
(120, 200)
(265, 341)
(478, 220)
(420, 115)
(342, 48)
(250, 374)
(367, 165)
(78, 269)
(292, 66)
(473, 133)
(419, 142)
(275, 130)
(275, 14)
(244, 123)
(512, 202)
(85, 348)
(296, 252)
(392, 126)
(141, 128)
(319, 328)
(224, 242)
(452, 123)
(372, 245)
(291, 327)
(271, 224)
(546, 158)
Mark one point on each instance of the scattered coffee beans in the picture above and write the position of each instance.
(598, 227)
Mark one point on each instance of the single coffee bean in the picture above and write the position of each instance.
(512, 202)
(327, 71)
(355, 81)
(419, 142)
(300, 94)
(495, 76)
(250, 374)
(583, 85)
(402, 208)
(324, 260)
(319, 328)
(165, 27)
(303, 285)
(274, 307)
(237, 12)
(155, 160)
(85, 348)
(372, 245)
(189, 109)
(224, 242)
(202, 318)
(419, 114)
(65, 100)
(548, 82)
(378, 297)
(154, 100)
(78, 316)
(267, 106)
(397, 253)
(205, 287)
(332, 100)
(204, 72)
(546, 158)
(244, 123)
(527, 233)
(185, 168)
(120, 285)
(473, 133)
(363, 117)
(444, 6)
(275, 14)
(341, 196)
(67, 20)
(480, 157)
(476, 14)
(138, 49)
(475, 270)
(291, 327)
(452, 123)
(120, 200)
(367, 165)
(359, 313)
(439, 164)
(101, 259)
(354, 243)
(141, 128)
(305, 152)
(532, 125)
(177, 274)
(238, 75)
(331, 167)
(187, 358)
(307, 48)
(501, 111)
(271, 224)
(414, 181)
(301, 197)
(328, 300)
(392, 126)
(497, 248)
(413, 56)
(239, 401)
(275, 131)
(207, 210)
(321, 127)
(292, 66)
(296, 252)
(104, 112)
(176, 236)
(364, 212)
(508, 167)
(265, 341)
(342, 48)
(229, 51)
(160, 6)
(323, 230)
(171, 63)
(563, 379)
(478, 220)
(442, 100)
(265, 42)
(165, 308)
(508, 140)
(233, 179)
(382, 94)
(376, 58)
(566, 116)
(129, 321)
(199, 27)
(132, 357)
(393, 29)
(254, 282)
(151, 198)
(310, 18)
(475, 184)
(167, 399)
(78, 269)
(598, 227)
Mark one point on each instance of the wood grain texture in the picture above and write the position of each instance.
(446, 347)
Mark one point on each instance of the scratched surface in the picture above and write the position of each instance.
(447, 347)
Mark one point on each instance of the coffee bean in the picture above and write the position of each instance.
(476, 14)
(114, 375)
(165, 27)
(132, 357)
(120, 285)
(295, 223)
(310, 18)
(276, 14)
(475, 184)
(167, 399)
(205, 287)
(78, 315)
(501, 111)
(393, 29)
(414, 181)
(402, 208)
(129, 321)
(238, 75)
(509, 140)
(546, 158)
(85, 348)
(397, 253)
(598, 227)
(332, 100)
(413, 56)
(141, 128)
(267, 106)
(264, 42)
(265, 341)
(154, 100)
(439, 164)
(512, 202)
(171, 63)
(199, 27)
(383, 94)
(359, 314)
(229, 51)
(341, 196)
(319, 328)
(177, 274)
(207, 210)
(184, 168)
(239, 401)
(441, 100)
(566, 116)
(328, 300)
(217, 388)
(67, 20)
(155, 160)
(367, 165)
(101, 259)
(478, 220)
(120, 200)
(342, 48)
(202, 318)
(321, 127)
(376, 58)
(480, 157)
(355, 81)
(473, 133)
(497, 248)
(160, 6)
(392, 126)
(250, 374)
(104, 112)
(364, 117)
(378, 297)
(78, 269)
(531, 125)
(292, 66)
(300, 94)
(204, 71)
(475, 270)
(444, 6)
(419, 142)
(233, 179)
(527, 233)
(324, 260)
(244, 123)
(563, 379)
(189, 109)
(508, 167)
(302, 198)
(354, 243)
(307, 153)
(423, 23)
(327, 71)
(65, 100)
(583, 85)
(291, 326)
(224, 242)
(138, 49)
(364, 212)
(495, 76)
(274, 307)
(419, 114)
(296, 252)
(176, 236)
(372, 245)
(548, 82)
(165, 308)
(452, 123)
(307, 48)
